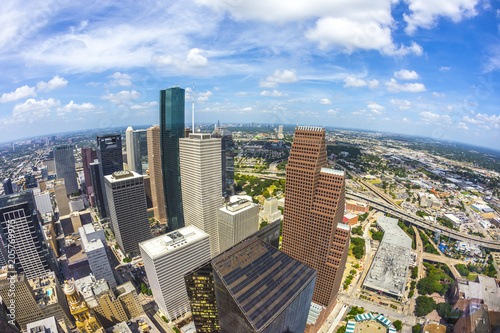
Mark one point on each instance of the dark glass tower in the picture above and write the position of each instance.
(171, 130)
(227, 152)
(109, 153)
(97, 180)
(7, 186)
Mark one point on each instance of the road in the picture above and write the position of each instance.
(472, 216)
(417, 221)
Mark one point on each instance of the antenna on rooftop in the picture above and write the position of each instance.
(192, 112)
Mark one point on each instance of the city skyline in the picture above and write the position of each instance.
(385, 66)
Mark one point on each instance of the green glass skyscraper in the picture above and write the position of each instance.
(171, 130)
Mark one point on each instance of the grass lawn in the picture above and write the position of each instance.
(271, 189)
(472, 277)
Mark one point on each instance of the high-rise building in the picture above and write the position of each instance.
(155, 172)
(236, 221)
(94, 244)
(85, 321)
(65, 168)
(89, 155)
(252, 287)
(227, 154)
(128, 209)
(314, 207)
(201, 183)
(61, 197)
(21, 231)
(109, 154)
(270, 212)
(171, 130)
(47, 325)
(7, 186)
(98, 195)
(280, 132)
(44, 172)
(166, 259)
(137, 150)
(43, 203)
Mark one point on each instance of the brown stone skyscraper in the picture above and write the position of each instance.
(155, 173)
(313, 232)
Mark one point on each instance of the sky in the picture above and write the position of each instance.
(416, 67)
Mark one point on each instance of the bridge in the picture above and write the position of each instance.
(404, 216)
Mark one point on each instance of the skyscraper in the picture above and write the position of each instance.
(155, 173)
(137, 150)
(280, 132)
(166, 259)
(252, 287)
(89, 155)
(129, 141)
(85, 321)
(128, 210)
(201, 184)
(7, 186)
(314, 207)
(65, 168)
(171, 130)
(109, 154)
(21, 231)
(98, 194)
(227, 154)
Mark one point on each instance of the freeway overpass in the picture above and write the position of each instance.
(421, 223)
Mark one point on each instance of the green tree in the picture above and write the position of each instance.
(446, 311)
(462, 269)
(263, 224)
(398, 325)
(425, 305)
(414, 273)
(417, 328)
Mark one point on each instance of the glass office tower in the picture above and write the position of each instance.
(171, 130)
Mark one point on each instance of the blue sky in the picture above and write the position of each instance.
(423, 67)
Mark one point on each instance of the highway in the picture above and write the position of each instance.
(419, 222)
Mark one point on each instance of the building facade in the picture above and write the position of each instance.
(65, 168)
(98, 197)
(227, 156)
(155, 173)
(236, 221)
(89, 155)
(252, 287)
(126, 199)
(22, 234)
(314, 207)
(201, 184)
(7, 186)
(110, 157)
(171, 130)
(167, 259)
(94, 244)
(61, 197)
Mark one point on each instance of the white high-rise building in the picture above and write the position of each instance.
(129, 138)
(271, 213)
(280, 132)
(201, 164)
(237, 220)
(94, 244)
(126, 199)
(43, 203)
(167, 259)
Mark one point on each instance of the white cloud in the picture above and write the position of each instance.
(73, 107)
(425, 13)
(19, 93)
(122, 98)
(32, 110)
(274, 93)
(325, 101)
(402, 104)
(333, 111)
(144, 106)
(241, 93)
(470, 120)
(285, 76)
(354, 82)
(120, 79)
(203, 96)
(444, 69)
(394, 86)
(246, 109)
(55, 83)
(196, 59)
(375, 108)
(430, 117)
(463, 126)
(405, 74)
(373, 84)
(405, 120)
(436, 94)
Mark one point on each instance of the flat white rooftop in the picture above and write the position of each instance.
(173, 241)
(122, 175)
(332, 171)
(237, 207)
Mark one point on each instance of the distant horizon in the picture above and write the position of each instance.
(463, 144)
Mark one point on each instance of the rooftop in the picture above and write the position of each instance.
(44, 289)
(310, 128)
(173, 241)
(262, 280)
(237, 207)
(484, 288)
(333, 171)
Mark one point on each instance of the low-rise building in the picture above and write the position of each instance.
(271, 213)
(356, 207)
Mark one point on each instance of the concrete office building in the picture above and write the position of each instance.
(227, 155)
(270, 212)
(137, 150)
(314, 208)
(389, 269)
(236, 221)
(167, 259)
(94, 244)
(171, 130)
(43, 203)
(44, 172)
(65, 168)
(47, 325)
(89, 155)
(21, 230)
(280, 132)
(155, 173)
(61, 197)
(252, 287)
(109, 154)
(201, 184)
(128, 209)
(7, 186)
